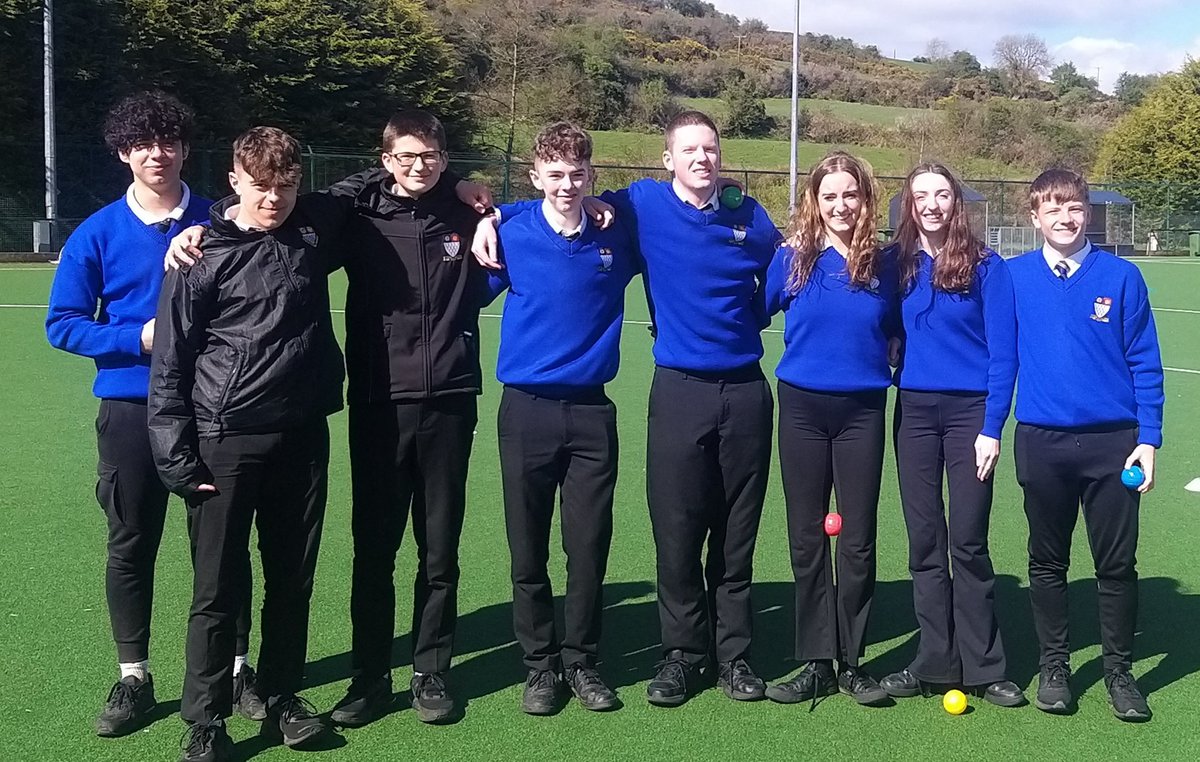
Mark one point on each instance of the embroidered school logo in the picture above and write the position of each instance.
(606, 260)
(873, 286)
(739, 234)
(1100, 309)
(452, 245)
(309, 236)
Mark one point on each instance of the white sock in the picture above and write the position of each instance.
(239, 661)
(138, 669)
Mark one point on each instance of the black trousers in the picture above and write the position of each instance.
(708, 456)
(960, 640)
(568, 446)
(831, 441)
(278, 481)
(1059, 470)
(408, 456)
(135, 504)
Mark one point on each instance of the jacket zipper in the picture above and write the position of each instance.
(424, 305)
(219, 413)
(283, 265)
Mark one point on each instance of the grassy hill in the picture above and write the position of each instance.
(780, 108)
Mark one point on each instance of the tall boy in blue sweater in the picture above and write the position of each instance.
(114, 259)
(559, 345)
(1089, 404)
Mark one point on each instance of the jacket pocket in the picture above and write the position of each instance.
(107, 493)
(235, 370)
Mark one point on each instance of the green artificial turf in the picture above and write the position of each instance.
(58, 658)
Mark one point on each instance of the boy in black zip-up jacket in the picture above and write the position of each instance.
(245, 370)
(412, 356)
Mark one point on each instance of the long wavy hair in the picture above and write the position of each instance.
(807, 232)
(955, 265)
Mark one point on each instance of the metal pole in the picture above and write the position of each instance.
(795, 109)
(48, 95)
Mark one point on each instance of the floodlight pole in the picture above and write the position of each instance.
(48, 109)
(795, 109)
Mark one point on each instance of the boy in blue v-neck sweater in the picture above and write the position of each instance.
(1089, 404)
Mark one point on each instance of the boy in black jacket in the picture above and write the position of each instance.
(412, 355)
(245, 369)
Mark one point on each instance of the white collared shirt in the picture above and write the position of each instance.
(231, 214)
(153, 218)
(548, 213)
(713, 203)
(1074, 262)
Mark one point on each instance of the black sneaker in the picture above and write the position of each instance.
(431, 698)
(739, 681)
(543, 692)
(854, 682)
(675, 681)
(206, 742)
(128, 707)
(293, 720)
(1128, 703)
(814, 680)
(1000, 693)
(591, 691)
(1054, 688)
(367, 699)
(246, 700)
(902, 684)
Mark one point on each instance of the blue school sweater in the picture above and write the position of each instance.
(1087, 346)
(835, 335)
(962, 342)
(561, 326)
(703, 273)
(115, 261)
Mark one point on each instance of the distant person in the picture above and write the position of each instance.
(1089, 403)
(113, 260)
(1152, 244)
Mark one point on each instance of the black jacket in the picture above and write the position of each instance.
(412, 305)
(243, 340)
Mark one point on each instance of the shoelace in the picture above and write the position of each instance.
(198, 738)
(672, 669)
(543, 678)
(431, 683)
(1056, 675)
(295, 708)
(1123, 683)
(586, 678)
(121, 695)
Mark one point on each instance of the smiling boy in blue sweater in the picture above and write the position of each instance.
(1089, 404)
(559, 345)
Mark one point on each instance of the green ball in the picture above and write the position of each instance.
(732, 197)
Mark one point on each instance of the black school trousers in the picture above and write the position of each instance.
(135, 504)
(548, 445)
(1059, 471)
(935, 436)
(708, 457)
(831, 441)
(408, 458)
(279, 482)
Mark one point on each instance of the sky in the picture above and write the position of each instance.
(1113, 36)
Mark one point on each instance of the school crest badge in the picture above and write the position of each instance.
(309, 236)
(1100, 309)
(739, 234)
(606, 260)
(874, 285)
(452, 245)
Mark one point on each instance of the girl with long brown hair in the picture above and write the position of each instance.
(839, 294)
(956, 386)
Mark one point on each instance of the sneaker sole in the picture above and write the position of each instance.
(1058, 707)
(668, 701)
(901, 692)
(604, 705)
(141, 720)
(868, 699)
(358, 720)
(432, 716)
(779, 696)
(1008, 703)
(729, 691)
(1132, 715)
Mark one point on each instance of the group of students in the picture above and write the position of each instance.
(216, 381)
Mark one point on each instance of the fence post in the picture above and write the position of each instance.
(507, 177)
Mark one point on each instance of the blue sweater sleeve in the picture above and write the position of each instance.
(775, 289)
(1000, 332)
(1145, 361)
(71, 322)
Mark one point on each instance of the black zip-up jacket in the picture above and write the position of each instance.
(412, 305)
(243, 340)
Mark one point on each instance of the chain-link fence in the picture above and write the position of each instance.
(1129, 218)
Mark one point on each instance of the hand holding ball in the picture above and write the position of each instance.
(1133, 477)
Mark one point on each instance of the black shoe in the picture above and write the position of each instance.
(431, 698)
(543, 692)
(128, 707)
(902, 684)
(856, 683)
(813, 681)
(675, 681)
(367, 699)
(206, 742)
(591, 691)
(1000, 693)
(739, 681)
(1128, 703)
(246, 700)
(294, 720)
(1054, 688)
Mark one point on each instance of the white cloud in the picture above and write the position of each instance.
(1113, 56)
